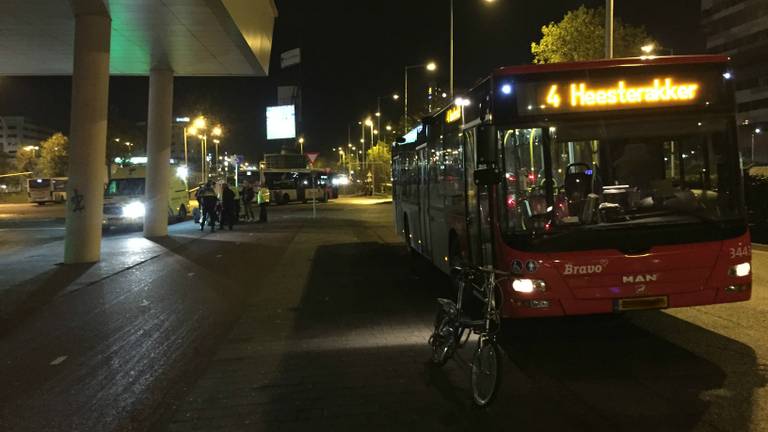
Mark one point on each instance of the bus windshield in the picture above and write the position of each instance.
(596, 175)
(44, 184)
(125, 187)
(281, 180)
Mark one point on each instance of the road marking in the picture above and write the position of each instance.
(144, 302)
(58, 361)
(190, 274)
(219, 256)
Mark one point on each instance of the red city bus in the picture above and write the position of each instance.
(616, 185)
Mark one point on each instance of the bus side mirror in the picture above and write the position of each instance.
(487, 176)
(486, 145)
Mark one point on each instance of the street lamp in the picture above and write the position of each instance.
(301, 144)
(755, 133)
(394, 96)
(452, 38)
(431, 66)
(648, 49)
(31, 148)
(217, 132)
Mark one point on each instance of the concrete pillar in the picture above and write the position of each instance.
(158, 152)
(88, 139)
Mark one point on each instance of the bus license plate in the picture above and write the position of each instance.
(641, 303)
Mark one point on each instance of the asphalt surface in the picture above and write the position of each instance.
(321, 324)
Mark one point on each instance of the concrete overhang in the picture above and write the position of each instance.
(191, 37)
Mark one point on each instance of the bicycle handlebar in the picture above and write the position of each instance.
(481, 269)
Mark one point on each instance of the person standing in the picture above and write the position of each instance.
(209, 200)
(227, 207)
(247, 196)
(263, 201)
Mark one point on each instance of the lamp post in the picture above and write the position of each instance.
(301, 145)
(200, 124)
(452, 39)
(217, 132)
(756, 132)
(5, 131)
(609, 29)
(431, 67)
(394, 96)
(32, 149)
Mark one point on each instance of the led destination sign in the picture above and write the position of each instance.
(581, 95)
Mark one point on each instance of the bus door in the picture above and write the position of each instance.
(478, 205)
(424, 236)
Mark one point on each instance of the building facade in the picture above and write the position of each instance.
(17, 132)
(739, 29)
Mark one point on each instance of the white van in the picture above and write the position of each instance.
(124, 198)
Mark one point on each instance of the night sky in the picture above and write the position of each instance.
(354, 51)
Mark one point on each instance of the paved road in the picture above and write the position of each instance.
(306, 324)
(18, 213)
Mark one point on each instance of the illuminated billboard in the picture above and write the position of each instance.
(281, 122)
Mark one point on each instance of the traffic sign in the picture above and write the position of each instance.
(312, 156)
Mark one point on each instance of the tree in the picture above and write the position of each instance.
(580, 36)
(379, 163)
(54, 156)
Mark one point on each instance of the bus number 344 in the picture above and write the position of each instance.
(741, 251)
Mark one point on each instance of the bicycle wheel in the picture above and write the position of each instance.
(486, 372)
(443, 339)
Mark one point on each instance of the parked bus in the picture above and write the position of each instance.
(602, 186)
(294, 184)
(45, 190)
(59, 190)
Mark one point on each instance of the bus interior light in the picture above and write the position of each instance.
(741, 270)
(506, 89)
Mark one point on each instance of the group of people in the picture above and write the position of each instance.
(225, 207)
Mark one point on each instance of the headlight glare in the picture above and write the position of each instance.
(741, 270)
(528, 285)
(134, 210)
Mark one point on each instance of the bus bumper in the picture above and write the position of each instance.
(550, 307)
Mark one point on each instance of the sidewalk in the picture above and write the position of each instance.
(38, 274)
(337, 342)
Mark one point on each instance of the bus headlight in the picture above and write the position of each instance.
(134, 210)
(740, 270)
(528, 285)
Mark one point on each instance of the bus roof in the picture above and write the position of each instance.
(606, 63)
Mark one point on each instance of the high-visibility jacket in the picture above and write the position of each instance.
(263, 196)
